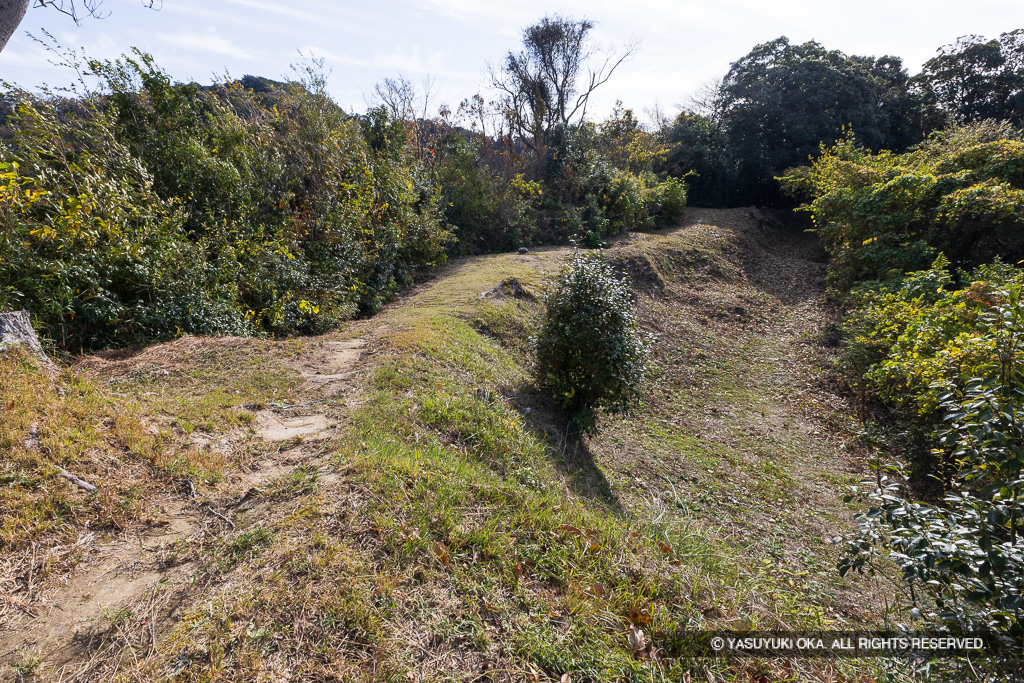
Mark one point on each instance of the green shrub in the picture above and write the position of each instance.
(158, 209)
(962, 561)
(591, 353)
(907, 344)
(960, 193)
(488, 211)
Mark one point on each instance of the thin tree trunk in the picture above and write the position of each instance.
(11, 14)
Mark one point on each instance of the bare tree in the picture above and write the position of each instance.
(398, 95)
(709, 102)
(550, 81)
(403, 99)
(410, 105)
(13, 11)
(657, 118)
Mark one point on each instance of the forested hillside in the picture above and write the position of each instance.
(499, 390)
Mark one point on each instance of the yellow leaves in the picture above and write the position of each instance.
(743, 624)
(308, 308)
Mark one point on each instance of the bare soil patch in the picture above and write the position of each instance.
(74, 622)
(327, 366)
(273, 427)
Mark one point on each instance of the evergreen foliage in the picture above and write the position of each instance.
(591, 353)
(960, 193)
(962, 561)
(975, 79)
(781, 101)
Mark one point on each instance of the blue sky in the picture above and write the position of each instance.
(686, 43)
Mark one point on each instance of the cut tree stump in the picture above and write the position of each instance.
(16, 329)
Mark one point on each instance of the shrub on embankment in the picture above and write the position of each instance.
(940, 348)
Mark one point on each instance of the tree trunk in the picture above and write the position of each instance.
(16, 329)
(11, 14)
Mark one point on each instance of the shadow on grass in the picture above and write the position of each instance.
(569, 453)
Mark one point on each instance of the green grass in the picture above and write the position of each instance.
(451, 531)
(68, 422)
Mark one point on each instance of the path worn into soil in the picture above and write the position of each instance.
(146, 571)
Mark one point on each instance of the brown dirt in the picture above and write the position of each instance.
(328, 367)
(149, 570)
(272, 427)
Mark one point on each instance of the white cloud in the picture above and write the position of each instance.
(208, 42)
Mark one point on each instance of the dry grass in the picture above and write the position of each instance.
(450, 531)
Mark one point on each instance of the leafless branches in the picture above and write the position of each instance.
(79, 9)
(551, 80)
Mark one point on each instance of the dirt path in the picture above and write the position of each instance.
(69, 621)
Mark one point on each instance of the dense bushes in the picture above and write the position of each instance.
(490, 208)
(155, 209)
(962, 561)
(960, 193)
(955, 200)
(159, 209)
(910, 342)
(590, 351)
(940, 348)
(590, 198)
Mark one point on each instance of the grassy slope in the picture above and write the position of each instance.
(449, 530)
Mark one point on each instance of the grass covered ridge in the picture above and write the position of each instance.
(448, 529)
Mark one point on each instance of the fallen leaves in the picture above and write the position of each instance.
(637, 640)
(442, 553)
(640, 616)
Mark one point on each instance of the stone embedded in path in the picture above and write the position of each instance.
(272, 427)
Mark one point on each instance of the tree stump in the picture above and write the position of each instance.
(16, 330)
